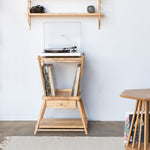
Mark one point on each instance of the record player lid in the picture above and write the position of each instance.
(61, 34)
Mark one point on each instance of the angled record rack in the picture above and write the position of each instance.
(63, 99)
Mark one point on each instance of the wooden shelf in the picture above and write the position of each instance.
(62, 94)
(29, 15)
(136, 146)
(65, 14)
(61, 124)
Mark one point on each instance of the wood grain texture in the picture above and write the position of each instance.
(61, 123)
(84, 113)
(136, 124)
(82, 63)
(60, 104)
(82, 117)
(141, 122)
(147, 121)
(62, 95)
(140, 94)
(146, 126)
(54, 130)
(40, 116)
(99, 13)
(28, 13)
(64, 14)
(136, 147)
(62, 59)
(132, 122)
(42, 77)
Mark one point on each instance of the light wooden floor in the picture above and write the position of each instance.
(26, 128)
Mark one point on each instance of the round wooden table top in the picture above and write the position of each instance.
(138, 94)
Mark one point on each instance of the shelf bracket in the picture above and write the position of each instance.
(28, 13)
(29, 21)
(99, 14)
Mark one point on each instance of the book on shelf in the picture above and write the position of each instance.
(127, 128)
(76, 81)
(49, 79)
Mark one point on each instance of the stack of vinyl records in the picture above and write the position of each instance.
(50, 80)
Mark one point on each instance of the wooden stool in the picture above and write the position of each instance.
(142, 97)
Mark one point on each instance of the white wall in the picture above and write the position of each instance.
(117, 58)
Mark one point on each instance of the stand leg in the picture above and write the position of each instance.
(40, 116)
(82, 118)
(84, 113)
(132, 123)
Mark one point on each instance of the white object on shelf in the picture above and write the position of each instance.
(62, 34)
(61, 54)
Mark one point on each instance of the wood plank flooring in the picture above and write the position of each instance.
(95, 128)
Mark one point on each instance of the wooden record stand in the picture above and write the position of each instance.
(63, 99)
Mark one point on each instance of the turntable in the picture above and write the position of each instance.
(62, 39)
(67, 51)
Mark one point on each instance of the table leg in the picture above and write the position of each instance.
(141, 122)
(146, 133)
(132, 123)
(136, 124)
(147, 122)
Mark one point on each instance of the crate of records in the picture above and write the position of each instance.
(50, 80)
(128, 121)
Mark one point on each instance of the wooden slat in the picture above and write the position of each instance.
(28, 13)
(40, 116)
(83, 110)
(82, 118)
(99, 13)
(49, 98)
(64, 14)
(62, 95)
(61, 123)
(60, 129)
(147, 121)
(60, 104)
(61, 59)
(82, 63)
(63, 90)
(141, 122)
(132, 123)
(136, 147)
(136, 124)
(41, 71)
(145, 126)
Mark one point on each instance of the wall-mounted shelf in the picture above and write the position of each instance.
(29, 15)
(64, 14)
